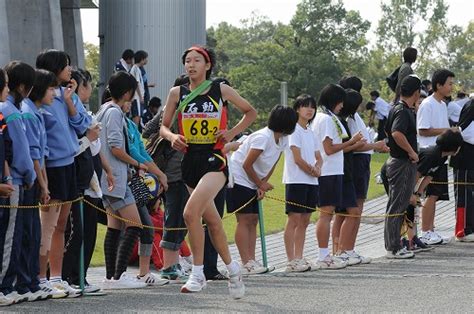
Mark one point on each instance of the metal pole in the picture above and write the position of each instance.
(81, 256)
(284, 93)
(262, 234)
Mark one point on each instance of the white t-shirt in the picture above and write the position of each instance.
(324, 126)
(305, 140)
(454, 110)
(461, 102)
(382, 108)
(264, 140)
(431, 114)
(468, 134)
(356, 125)
(137, 74)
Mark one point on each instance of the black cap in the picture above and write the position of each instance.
(410, 84)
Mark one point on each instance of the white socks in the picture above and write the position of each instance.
(323, 253)
(198, 270)
(233, 267)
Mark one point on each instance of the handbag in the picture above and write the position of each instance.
(140, 191)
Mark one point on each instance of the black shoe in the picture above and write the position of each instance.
(418, 246)
(218, 276)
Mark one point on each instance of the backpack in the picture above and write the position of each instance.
(392, 79)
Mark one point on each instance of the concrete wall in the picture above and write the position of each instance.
(163, 28)
(30, 26)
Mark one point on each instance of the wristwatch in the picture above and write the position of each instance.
(6, 179)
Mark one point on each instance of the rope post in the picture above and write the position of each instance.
(81, 256)
(262, 234)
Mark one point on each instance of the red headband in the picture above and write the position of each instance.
(201, 51)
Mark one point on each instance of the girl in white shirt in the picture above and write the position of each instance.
(300, 175)
(252, 166)
(330, 134)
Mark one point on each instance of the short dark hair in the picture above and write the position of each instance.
(352, 82)
(449, 141)
(181, 80)
(426, 82)
(120, 83)
(282, 119)
(3, 79)
(305, 100)
(53, 60)
(410, 84)
(409, 55)
(154, 102)
(106, 97)
(375, 94)
(210, 58)
(140, 55)
(440, 77)
(370, 105)
(351, 103)
(331, 95)
(461, 95)
(19, 73)
(78, 77)
(127, 54)
(44, 79)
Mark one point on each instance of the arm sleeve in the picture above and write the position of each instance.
(294, 140)
(21, 161)
(114, 129)
(400, 122)
(33, 136)
(82, 120)
(259, 142)
(423, 117)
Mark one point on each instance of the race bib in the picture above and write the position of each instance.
(200, 128)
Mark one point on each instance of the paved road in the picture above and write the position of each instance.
(438, 281)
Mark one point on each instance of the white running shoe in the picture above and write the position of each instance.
(125, 282)
(236, 285)
(186, 263)
(400, 254)
(194, 284)
(151, 280)
(297, 266)
(431, 238)
(51, 291)
(347, 258)
(331, 263)
(64, 286)
(363, 259)
(18, 298)
(253, 268)
(466, 238)
(37, 295)
(5, 300)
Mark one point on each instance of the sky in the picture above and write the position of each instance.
(232, 11)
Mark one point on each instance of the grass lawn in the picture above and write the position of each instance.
(273, 211)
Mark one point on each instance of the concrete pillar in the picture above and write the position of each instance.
(72, 32)
(4, 37)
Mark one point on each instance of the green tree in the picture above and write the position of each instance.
(460, 57)
(92, 59)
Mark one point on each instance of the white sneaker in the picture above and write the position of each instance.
(331, 263)
(297, 266)
(186, 263)
(5, 300)
(194, 284)
(125, 282)
(18, 298)
(466, 238)
(152, 280)
(431, 238)
(363, 259)
(253, 268)
(64, 286)
(400, 254)
(88, 288)
(236, 285)
(51, 291)
(37, 295)
(348, 259)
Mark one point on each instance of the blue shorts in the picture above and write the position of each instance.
(116, 203)
(361, 174)
(348, 197)
(306, 195)
(239, 195)
(330, 190)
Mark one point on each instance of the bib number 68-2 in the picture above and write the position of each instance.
(204, 128)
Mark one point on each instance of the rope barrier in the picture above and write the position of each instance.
(271, 197)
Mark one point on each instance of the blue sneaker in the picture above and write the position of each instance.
(174, 274)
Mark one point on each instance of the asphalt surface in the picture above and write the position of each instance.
(439, 281)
